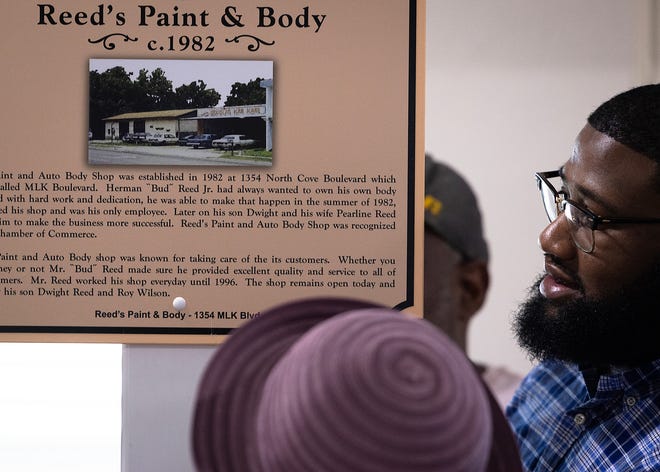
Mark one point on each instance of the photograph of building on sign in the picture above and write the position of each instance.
(180, 112)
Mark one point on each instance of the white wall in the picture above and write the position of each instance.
(159, 388)
(60, 407)
(509, 85)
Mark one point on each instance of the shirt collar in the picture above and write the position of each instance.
(613, 379)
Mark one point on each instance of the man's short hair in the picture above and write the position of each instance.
(632, 118)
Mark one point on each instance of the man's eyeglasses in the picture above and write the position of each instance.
(582, 222)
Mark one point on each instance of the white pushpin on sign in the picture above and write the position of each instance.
(179, 303)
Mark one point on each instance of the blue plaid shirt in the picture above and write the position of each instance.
(561, 428)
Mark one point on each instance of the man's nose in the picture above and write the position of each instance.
(556, 239)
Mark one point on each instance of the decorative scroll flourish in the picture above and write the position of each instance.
(110, 44)
(252, 47)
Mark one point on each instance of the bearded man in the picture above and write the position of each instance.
(593, 401)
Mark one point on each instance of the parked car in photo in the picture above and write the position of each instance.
(202, 141)
(232, 141)
(183, 138)
(135, 138)
(161, 139)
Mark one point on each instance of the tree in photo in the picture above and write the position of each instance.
(111, 92)
(155, 89)
(196, 95)
(246, 94)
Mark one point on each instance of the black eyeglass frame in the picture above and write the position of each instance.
(594, 220)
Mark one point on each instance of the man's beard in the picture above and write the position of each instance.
(622, 329)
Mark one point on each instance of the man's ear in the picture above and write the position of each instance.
(474, 281)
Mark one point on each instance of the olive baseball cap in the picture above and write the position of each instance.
(451, 210)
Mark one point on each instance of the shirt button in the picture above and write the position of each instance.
(579, 419)
(630, 401)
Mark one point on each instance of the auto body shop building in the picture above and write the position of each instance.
(151, 122)
(255, 121)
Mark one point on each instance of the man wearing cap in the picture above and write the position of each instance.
(456, 265)
(593, 402)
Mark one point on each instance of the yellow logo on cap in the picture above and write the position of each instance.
(432, 205)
